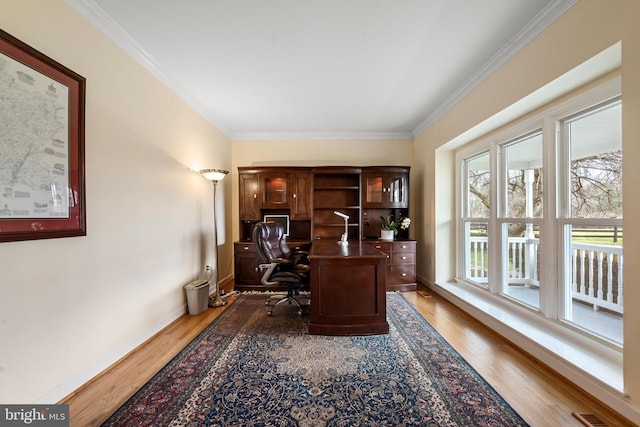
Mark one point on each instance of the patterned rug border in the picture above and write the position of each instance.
(450, 347)
(218, 343)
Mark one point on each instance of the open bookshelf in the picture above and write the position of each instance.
(336, 189)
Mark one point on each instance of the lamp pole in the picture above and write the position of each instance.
(215, 175)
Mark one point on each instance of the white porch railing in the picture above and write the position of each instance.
(597, 275)
(596, 269)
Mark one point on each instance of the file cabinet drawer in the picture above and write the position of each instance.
(403, 258)
(400, 274)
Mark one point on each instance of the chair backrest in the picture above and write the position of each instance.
(268, 238)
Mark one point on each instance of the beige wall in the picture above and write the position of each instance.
(585, 30)
(71, 307)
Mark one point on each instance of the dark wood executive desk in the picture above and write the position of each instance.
(348, 289)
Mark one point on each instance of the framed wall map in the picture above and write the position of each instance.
(42, 103)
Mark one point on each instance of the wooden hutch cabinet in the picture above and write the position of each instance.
(385, 187)
(262, 189)
(308, 197)
(275, 191)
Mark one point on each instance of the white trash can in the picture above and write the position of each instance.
(197, 296)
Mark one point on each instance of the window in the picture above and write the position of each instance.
(541, 212)
(520, 226)
(477, 209)
(592, 220)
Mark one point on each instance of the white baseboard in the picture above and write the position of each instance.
(77, 381)
(81, 378)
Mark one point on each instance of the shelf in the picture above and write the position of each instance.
(356, 188)
(336, 207)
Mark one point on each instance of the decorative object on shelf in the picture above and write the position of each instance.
(389, 227)
(215, 175)
(386, 234)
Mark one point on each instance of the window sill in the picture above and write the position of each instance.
(583, 360)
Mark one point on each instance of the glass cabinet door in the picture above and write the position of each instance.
(397, 191)
(275, 189)
(385, 190)
(374, 190)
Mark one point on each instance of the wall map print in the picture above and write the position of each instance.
(34, 168)
(41, 145)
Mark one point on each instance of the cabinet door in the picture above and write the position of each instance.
(275, 188)
(397, 190)
(301, 195)
(374, 189)
(246, 271)
(249, 197)
(385, 190)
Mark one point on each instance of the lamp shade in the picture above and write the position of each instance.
(214, 174)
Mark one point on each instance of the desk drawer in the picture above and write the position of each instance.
(399, 274)
(404, 246)
(239, 247)
(382, 246)
(403, 258)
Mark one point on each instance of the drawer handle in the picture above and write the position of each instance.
(378, 246)
(404, 246)
(246, 248)
(404, 274)
(404, 257)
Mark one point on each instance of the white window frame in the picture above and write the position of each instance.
(563, 213)
(551, 224)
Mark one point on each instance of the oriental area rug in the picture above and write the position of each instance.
(248, 369)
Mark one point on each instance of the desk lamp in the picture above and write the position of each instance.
(345, 236)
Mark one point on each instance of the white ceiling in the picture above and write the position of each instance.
(321, 68)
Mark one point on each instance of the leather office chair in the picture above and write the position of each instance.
(281, 267)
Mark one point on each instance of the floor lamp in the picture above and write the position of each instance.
(215, 175)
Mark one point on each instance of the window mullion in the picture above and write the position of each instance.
(550, 289)
(496, 271)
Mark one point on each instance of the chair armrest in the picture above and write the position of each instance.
(267, 274)
(279, 261)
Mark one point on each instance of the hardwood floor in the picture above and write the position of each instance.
(538, 394)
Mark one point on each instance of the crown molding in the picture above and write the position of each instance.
(536, 26)
(245, 136)
(94, 14)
